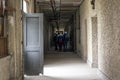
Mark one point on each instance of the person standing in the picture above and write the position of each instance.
(65, 40)
(56, 41)
(60, 41)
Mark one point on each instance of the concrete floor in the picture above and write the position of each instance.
(67, 66)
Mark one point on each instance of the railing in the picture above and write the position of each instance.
(3, 47)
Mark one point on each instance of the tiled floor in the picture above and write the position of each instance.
(65, 66)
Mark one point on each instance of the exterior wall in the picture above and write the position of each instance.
(109, 38)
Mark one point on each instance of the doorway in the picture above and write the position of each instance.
(33, 43)
(86, 41)
(94, 42)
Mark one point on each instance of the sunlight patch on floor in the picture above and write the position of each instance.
(66, 68)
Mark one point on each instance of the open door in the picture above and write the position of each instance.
(33, 43)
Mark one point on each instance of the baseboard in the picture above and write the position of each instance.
(92, 65)
(89, 63)
(83, 58)
(102, 75)
(78, 53)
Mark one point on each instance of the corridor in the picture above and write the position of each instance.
(64, 39)
(65, 66)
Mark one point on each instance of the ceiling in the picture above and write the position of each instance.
(61, 10)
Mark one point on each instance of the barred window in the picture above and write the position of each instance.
(3, 37)
(3, 47)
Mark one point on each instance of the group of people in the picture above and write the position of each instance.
(61, 41)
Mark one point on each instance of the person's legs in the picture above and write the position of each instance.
(65, 45)
(60, 47)
(56, 46)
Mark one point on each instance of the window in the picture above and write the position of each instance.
(1, 26)
(3, 47)
(25, 6)
(3, 38)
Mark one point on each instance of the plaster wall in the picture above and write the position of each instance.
(30, 6)
(87, 32)
(94, 42)
(109, 38)
(5, 68)
(108, 30)
(85, 26)
(13, 67)
(46, 34)
(15, 37)
(77, 34)
(14, 30)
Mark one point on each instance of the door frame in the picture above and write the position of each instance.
(23, 29)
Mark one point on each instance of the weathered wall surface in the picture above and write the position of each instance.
(5, 68)
(86, 14)
(83, 28)
(11, 67)
(94, 41)
(46, 34)
(109, 38)
(107, 32)
(77, 32)
(30, 6)
(14, 30)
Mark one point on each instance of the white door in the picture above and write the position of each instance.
(33, 44)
